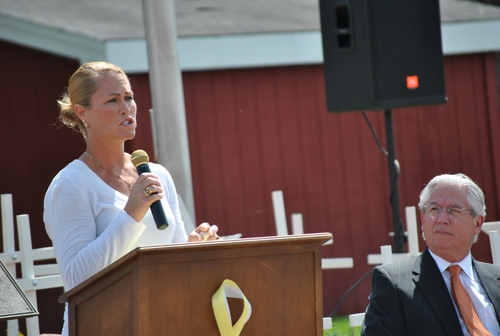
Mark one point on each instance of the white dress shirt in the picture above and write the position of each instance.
(472, 284)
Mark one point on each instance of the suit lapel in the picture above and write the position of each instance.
(428, 279)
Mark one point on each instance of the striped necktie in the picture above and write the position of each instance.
(465, 305)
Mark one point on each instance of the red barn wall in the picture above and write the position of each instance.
(253, 131)
(257, 130)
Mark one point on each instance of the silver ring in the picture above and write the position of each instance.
(148, 191)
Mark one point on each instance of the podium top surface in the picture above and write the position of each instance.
(319, 238)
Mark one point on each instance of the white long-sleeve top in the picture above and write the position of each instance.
(89, 230)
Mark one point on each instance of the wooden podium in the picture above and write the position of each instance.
(167, 289)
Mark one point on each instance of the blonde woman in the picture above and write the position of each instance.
(97, 208)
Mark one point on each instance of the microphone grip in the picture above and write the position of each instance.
(156, 207)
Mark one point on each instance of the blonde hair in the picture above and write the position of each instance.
(82, 86)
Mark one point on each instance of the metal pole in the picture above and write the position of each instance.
(167, 96)
(393, 175)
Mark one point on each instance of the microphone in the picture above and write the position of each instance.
(140, 160)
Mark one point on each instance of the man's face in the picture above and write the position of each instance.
(449, 235)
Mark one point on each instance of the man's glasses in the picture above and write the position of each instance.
(434, 210)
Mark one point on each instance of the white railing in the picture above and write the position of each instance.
(34, 277)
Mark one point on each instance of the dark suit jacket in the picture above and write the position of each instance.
(410, 298)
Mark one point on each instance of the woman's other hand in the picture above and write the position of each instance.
(204, 232)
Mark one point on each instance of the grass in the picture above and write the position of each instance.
(341, 327)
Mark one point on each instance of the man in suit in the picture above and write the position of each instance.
(414, 297)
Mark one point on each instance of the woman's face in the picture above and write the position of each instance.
(112, 114)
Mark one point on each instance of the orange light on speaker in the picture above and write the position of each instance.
(412, 82)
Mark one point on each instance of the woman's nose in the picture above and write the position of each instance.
(125, 108)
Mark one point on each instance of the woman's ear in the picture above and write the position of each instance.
(81, 112)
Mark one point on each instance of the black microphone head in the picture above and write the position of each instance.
(139, 157)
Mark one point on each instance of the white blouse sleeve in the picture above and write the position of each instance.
(70, 223)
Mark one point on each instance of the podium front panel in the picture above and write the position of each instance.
(280, 284)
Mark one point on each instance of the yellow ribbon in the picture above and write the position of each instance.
(222, 312)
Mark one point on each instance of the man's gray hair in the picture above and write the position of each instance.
(474, 194)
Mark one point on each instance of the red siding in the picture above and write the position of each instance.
(252, 131)
(257, 130)
(33, 148)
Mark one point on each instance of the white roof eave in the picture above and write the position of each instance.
(51, 40)
(466, 37)
(226, 51)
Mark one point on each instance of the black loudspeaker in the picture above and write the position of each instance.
(382, 54)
